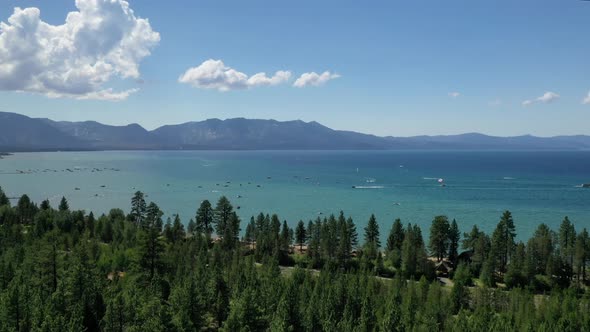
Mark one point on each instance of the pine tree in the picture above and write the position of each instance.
(487, 273)
(25, 210)
(367, 319)
(300, 234)
(503, 240)
(187, 307)
(372, 241)
(439, 237)
(138, 207)
(230, 233)
(409, 254)
(344, 242)
(540, 248)
(470, 239)
(178, 232)
(250, 234)
(63, 205)
(394, 243)
(90, 224)
(191, 228)
(396, 236)
(204, 218)
(244, 313)
(391, 320)
(352, 233)
(221, 215)
(45, 205)
(285, 237)
(372, 232)
(150, 246)
(454, 238)
(567, 244)
(3, 198)
(582, 254)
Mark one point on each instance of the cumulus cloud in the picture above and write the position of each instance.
(101, 41)
(547, 98)
(214, 74)
(586, 100)
(314, 79)
(454, 94)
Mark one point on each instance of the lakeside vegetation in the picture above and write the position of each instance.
(67, 270)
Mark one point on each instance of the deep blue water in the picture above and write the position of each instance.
(538, 187)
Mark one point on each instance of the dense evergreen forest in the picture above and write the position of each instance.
(68, 270)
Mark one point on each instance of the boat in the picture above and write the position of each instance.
(586, 185)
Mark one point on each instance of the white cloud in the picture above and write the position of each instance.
(586, 100)
(454, 94)
(107, 94)
(547, 98)
(214, 74)
(496, 102)
(314, 79)
(102, 40)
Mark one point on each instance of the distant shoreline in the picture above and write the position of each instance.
(483, 149)
(19, 133)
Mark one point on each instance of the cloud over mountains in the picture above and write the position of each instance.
(214, 74)
(547, 98)
(314, 79)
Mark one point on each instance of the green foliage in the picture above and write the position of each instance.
(204, 218)
(439, 237)
(69, 271)
(138, 207)
(63, 205)
(459, 297)
(3, 198)
(300, 234)
(503, 241)
(372, 241)
(567, 244)
(454, 238)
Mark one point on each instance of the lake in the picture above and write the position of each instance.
(538, 187)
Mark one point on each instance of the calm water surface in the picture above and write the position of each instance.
(536, 186)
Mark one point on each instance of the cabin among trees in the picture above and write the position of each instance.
(444, 269)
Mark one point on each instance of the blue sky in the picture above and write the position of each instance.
(397, 68)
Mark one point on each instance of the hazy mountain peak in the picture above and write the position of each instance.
(18, 132)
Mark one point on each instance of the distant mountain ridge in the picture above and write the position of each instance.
(22, 133)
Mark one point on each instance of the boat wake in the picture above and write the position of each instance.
(368, 187)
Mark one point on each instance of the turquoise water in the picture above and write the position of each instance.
(536, 186)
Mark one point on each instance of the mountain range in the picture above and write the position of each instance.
(22, 133)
